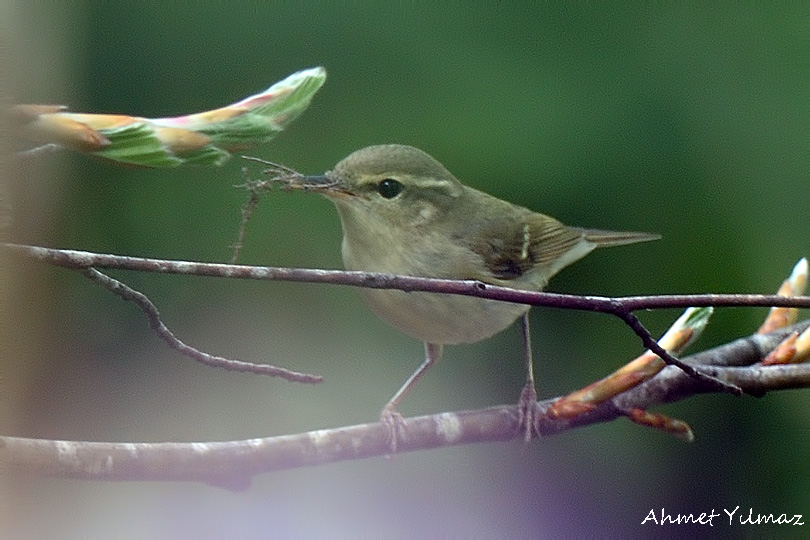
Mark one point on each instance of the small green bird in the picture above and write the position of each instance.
(404, 213)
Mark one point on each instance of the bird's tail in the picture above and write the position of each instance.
(616, 238)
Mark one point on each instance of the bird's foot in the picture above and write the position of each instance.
(395, 427)
(528, 412)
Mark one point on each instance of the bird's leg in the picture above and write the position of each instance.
(390, 417)
(527, 406)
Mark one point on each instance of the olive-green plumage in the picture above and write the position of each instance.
(403, 212)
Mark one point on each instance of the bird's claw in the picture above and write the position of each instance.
(528, 412)
(395, 427)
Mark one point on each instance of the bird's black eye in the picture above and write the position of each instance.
(389, 188)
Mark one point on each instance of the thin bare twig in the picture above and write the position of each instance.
(77, 260)
(152, 314)
(646, 338)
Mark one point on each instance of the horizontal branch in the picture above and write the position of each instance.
(233, 464)
(621, 307)
(79, 260)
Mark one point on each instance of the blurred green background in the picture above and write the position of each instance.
(689, 120)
